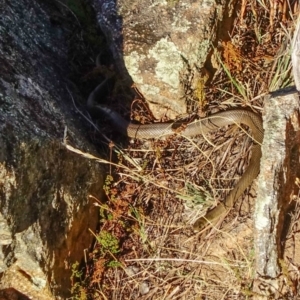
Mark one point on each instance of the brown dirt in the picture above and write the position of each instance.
(160, 187)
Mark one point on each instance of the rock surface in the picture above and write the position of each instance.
(163, 46)
(279, 170)
(278, 188)
(45, 211)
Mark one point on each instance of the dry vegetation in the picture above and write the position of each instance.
(145, 247)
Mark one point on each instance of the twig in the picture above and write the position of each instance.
(181, 260)
(296, 56)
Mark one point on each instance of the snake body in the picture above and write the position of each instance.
(199, 127)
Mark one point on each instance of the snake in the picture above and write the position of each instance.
(201, 126)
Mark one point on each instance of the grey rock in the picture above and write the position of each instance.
(45, 210)
(161, 45)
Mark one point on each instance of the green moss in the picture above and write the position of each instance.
(77, 290)
(108, 242)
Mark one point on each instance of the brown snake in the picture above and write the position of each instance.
(199, 127)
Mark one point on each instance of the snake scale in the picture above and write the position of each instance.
(199, 127)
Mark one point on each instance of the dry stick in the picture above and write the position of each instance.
(181, 260)
(132, 174)
(296, 56)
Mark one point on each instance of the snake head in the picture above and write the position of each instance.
(201, 223)
(211, 218)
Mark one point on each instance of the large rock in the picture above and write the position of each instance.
(45, 212)
(163, 46)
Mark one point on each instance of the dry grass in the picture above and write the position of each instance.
(160, 187)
